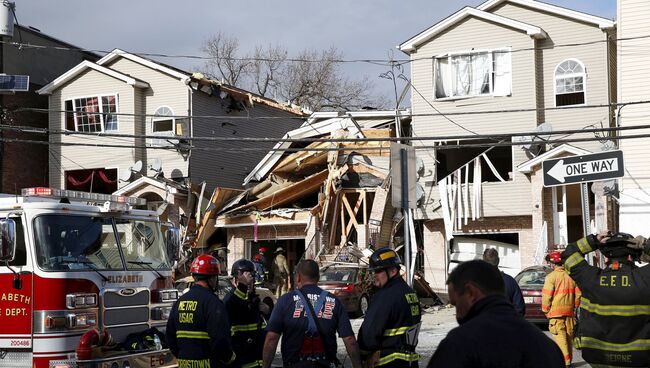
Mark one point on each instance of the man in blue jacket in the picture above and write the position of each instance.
(513, 292)
(490, 333)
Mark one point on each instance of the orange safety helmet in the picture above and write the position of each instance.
(554, 257)
(205, 264)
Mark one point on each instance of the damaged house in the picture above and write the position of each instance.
(491, 71)
(315, 199)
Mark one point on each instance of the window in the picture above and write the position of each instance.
(484, 73)
(163, 121)
(570, 83)
(92, 180)
(165, 124)
(499, 157)
(91, 114)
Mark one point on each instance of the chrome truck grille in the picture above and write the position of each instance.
(125, 311)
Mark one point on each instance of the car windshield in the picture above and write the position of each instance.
(338, 275)
(531, 278)
(79, 242)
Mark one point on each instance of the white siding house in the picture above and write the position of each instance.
(134, 97)
(499, 68)
(633, 86)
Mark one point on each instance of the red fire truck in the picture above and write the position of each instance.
(82, 277)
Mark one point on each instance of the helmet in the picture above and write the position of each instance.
(554, 257)
(242, 265)
(616, 246)
(384, 258)
(205, 264)
(257, 257)
(279, 250)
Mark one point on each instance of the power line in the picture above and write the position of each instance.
(385, 62)
(235, 118)
(31, 130)
(306, 149)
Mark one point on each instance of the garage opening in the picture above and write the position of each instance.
(293, 251)
(468, 247)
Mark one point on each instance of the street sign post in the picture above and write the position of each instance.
(585, 168)
(403, 176)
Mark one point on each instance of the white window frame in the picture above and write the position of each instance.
(448, 77)
(164, 133)
(584, 81)
(101, 113)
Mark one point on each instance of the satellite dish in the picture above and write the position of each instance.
(531, 143)
(126, 175)
(419, 194)
(156, 166)
(137, 166)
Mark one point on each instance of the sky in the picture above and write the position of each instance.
(359, 29)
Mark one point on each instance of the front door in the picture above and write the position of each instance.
(560, 229)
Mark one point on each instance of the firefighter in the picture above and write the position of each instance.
(615, 305)
(280, 272)
(247, 315)
(389, 333)
(560, 300)
(198, 329)
(308, 319)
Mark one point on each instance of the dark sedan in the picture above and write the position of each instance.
(531, 282)
(350, 283)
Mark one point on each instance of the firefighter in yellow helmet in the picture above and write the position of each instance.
(389, 332)
(560, 301)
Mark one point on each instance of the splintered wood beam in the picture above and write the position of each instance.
(289, 193)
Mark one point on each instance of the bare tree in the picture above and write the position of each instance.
(313, 79)
(225, 62)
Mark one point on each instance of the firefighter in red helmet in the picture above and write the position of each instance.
(560, 301)
(198, 331)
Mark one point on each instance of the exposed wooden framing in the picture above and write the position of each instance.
(289, 193)
(269, 218)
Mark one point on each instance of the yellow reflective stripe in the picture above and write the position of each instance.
(409, 357)
(583, 245)
(192, 334)
(257, 363)
(636, 345)
(573, 260)
(232, 358)
(240, 328)
(614, 310)
(396, 331)
(240, 294)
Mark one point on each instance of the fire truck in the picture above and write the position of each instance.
(82, 277)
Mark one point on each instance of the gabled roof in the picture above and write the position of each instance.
(145, 181)
(426, 35)
(313, 128)
(564, 149)
(603, 23)
(83, 66)
(183, 77)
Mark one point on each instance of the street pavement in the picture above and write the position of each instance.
(436, 323)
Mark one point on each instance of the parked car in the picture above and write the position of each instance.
(350, 283)
(225, 286)
(531, 282)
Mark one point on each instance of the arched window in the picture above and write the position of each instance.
(163, 120)
(570, 83)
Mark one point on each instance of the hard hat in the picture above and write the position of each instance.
(384, 258)
(242, 265)
(279, 250)
(205, 264)
(554, 257)
(257, 257)
(616, 246)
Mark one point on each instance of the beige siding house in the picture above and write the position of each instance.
(503, 68)
(153, 108)
(634, 86)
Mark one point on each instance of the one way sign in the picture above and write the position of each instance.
(580, 169)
